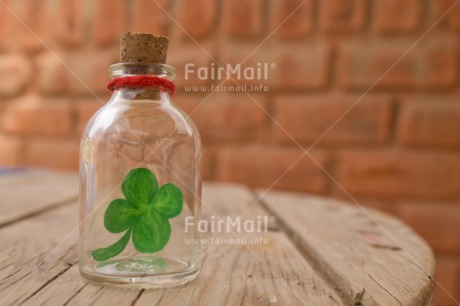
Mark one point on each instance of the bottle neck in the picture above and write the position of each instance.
(133, 81)
(155, 94)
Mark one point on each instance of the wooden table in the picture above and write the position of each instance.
(318, 251)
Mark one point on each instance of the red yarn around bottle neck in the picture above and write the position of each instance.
(141, 81)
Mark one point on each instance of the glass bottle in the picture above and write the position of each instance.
(132, 230)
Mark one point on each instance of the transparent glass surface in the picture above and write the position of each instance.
(139, 128)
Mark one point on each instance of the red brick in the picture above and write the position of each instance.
(110, 21)
(451, 20)
(398, 174)
(5, 21)
(429, 65)
(20, 20)
(70, 22)
(338, 16)
(78, 73)
(196, 17)
(430, 124)
(208, 154)
(243, 18)
(395, 16)
(308, 118)
(60, 154)
(228, 117)
(192, 55)
(438, 223)
(248, 57)
(84, 111)
(10, 151)
(32, 116)
(15, 73)
(301, 68)
(292, 18)
(149, 16)
(262, 166)
(440, 59)
(448, 276)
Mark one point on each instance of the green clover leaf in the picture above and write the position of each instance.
(144, 214)
(151, 232)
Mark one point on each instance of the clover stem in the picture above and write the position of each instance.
(113, 250)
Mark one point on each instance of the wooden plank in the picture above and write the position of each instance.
(35, 252)
(272, 273)
(71, 289)
(231, 275)
(219, 201)
(26, 193)
(370, 257)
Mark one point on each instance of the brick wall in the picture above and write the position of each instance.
(389, 69)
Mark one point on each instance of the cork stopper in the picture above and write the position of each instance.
(143, 48)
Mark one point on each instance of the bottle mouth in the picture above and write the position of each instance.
(135, 69)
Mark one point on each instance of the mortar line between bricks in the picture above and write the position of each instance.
(170, 5)
(273, 32)
(315, 7)
(129, 7)
(184, 31)
(396, 111)
(271, 107)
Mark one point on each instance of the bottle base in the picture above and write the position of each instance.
(141, 273)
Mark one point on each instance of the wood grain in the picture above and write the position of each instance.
(319, 252)
(27, 192)
(272, 273)
(219, 201)
(35, 252)
(370, 257)
(275, 274)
